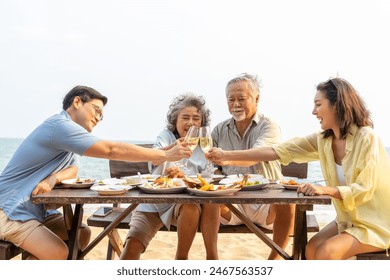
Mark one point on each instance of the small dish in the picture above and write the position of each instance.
(250, 176)
(218, 176)
(134, 180)
(291, 183)
(195, 178)
(291, 187)
(149, 177)
(274, 181)
(77, 183)
(177, 189)
(110, 189)
(111, 181)
(212, 193)
(255, 187)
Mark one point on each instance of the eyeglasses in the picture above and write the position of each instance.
(98, 111)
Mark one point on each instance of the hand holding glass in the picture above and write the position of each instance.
(206, 143)
(192, 137)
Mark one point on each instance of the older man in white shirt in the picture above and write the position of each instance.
(246, 129)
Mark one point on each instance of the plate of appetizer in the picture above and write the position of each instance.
(217, 190)
(77, 183)
(291, 184)
(164, 185)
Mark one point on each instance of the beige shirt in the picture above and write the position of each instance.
(262, 132)
(365, 206)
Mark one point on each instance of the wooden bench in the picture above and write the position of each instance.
(374, 256)
(9, 250)
(120, 169)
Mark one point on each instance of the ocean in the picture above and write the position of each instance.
(99, 169)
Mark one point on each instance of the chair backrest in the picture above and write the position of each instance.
(120, 169)
(298, 170)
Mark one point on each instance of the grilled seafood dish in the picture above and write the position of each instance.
(200, 183)
(290, 182)
(173, 172)
(203, 185)
(163, 182)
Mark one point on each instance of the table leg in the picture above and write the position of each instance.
(259, 232)
(110, 227)
(68, 217)
(75, 232)
(300, 233)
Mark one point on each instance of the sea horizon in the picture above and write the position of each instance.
(98, 168)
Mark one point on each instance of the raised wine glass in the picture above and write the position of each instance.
(206, 143)
(191, 137)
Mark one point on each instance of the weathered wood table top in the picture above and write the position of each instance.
(272, 194)
(275, 194)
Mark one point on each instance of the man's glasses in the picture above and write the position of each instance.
(98, 111)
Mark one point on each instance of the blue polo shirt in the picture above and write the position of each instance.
(53, 146)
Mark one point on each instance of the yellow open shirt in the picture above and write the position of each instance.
(364, 210)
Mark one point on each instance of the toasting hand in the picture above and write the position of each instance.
(216, 156)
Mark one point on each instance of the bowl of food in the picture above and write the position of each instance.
(133, 180)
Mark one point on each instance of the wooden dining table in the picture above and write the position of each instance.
(73, 200)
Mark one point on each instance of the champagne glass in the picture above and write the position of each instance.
(206, 143)
(191, 137)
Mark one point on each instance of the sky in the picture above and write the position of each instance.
(141, 54)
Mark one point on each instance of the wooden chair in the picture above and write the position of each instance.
(374, 256)
(120, 169)
(9, 250)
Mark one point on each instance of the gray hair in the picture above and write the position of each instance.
(252, 80)
(183, 101)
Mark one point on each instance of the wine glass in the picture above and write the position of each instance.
(191, 137)
(206, 143)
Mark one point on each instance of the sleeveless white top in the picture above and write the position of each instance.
(340, 175)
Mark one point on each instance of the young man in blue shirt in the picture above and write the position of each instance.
(49, 155)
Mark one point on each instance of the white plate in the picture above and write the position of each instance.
(71, 183)
(177, 189)
(149, 177)
(111, 181)
(216, 177)
(195, 178)
(274, 181)
(261, 185)
(254, 187)
(250, 176)
(110, 189)
(118, 182)
(228, 181)
(291, 187)
(143, 181)
(133, 180)
(212, 193)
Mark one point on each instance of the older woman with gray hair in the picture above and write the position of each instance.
(186, 110)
